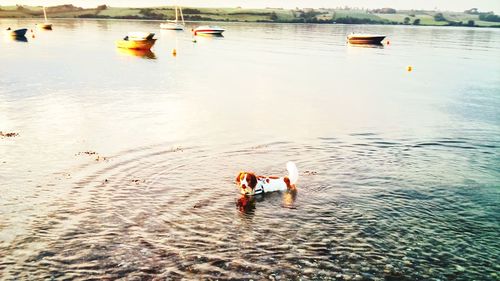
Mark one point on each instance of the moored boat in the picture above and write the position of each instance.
(357, 38)
(16, 33)
(174, 24)
(46, 25)
(137, 41)
(208, 29)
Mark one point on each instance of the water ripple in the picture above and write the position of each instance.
(158, 211)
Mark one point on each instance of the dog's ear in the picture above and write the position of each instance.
(238, 177)
(252, 180)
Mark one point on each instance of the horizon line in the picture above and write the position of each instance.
(243, 7)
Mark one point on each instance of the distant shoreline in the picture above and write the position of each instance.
(385, 16)
(222, 22)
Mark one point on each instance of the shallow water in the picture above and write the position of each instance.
(399, 170)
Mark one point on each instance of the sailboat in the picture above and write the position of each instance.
(174, 24)
(46, 24)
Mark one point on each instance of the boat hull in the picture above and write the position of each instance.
(17, 33)
(46, 26)
(172, 26)
(136, 44)
(208, 30)
(353, 39)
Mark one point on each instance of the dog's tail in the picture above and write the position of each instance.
(293, 173)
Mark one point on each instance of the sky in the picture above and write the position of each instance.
(449, 5)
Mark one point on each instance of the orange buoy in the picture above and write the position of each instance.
(409, 68)
(174, 52)
(388, 42)
(33, 36)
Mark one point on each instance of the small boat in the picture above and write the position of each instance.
(137, 41)
(46, 25)
(357, 38)
(208, 29)
(16, 33)
(174, 24)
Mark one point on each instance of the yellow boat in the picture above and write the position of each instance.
(137, 41)
(136, 44)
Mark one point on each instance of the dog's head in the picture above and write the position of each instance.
(247, 183)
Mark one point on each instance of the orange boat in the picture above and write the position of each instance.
(137, 41)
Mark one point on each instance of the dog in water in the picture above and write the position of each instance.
(251, 184)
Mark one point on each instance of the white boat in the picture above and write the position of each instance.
(358, 38)
(46, 24)
(208, 29)
(139, 36)
(16, 33)
(174, 24)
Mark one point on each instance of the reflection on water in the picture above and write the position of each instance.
(146, 54)
(246, 204)
(17, 38)
(208, 35)
(289, 198)
(373, 45)
(124, 168)
(43, 27)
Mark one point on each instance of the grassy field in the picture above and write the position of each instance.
(355, 16)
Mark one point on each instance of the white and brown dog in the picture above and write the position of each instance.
(251, 184)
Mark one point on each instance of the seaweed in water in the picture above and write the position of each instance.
(8, 135)
(91, 153)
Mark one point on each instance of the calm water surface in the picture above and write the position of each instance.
(400, 176)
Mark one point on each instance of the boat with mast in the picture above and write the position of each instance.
(46, 25)
(175, 24)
